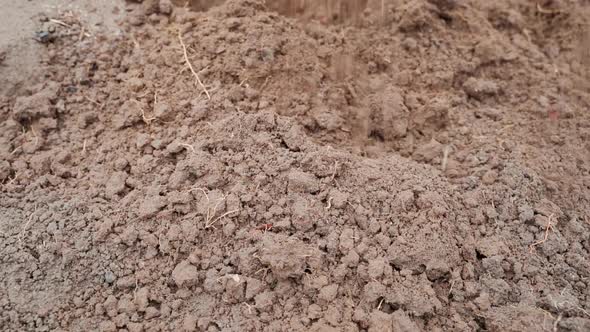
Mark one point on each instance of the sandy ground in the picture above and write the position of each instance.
(20, 22)
(242, 165)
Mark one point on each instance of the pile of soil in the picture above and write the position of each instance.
(403, 165)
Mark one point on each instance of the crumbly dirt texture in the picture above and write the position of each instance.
(396, 165)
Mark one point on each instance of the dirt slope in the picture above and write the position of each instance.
(405, 165)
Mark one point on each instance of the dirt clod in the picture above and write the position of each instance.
(184, 273)
(249, 165)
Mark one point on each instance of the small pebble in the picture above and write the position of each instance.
(109, 277)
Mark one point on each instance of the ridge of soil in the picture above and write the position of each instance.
(405, 165)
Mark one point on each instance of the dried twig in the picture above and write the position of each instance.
(190, 66)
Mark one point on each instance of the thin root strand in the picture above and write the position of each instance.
(547, 229)
(190, 66)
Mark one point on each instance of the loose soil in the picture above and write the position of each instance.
(399, 165)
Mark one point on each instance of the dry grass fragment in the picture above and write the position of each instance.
(35, 136)
(190, 66)
(380, 303)
(335, 171)
(383, 12)
(60, 22)
(557, 322)
(210, 218)
(21, 234)
(451, 288)
(545, 11)
(547, 229)
(445, 160)
(249, 308)
(11, 181)
(15, 150)
(188, 147)
(75, 20)
(100, 106)
(145, 119)
(329, 205)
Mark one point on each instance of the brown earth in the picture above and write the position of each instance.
(399, 165)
